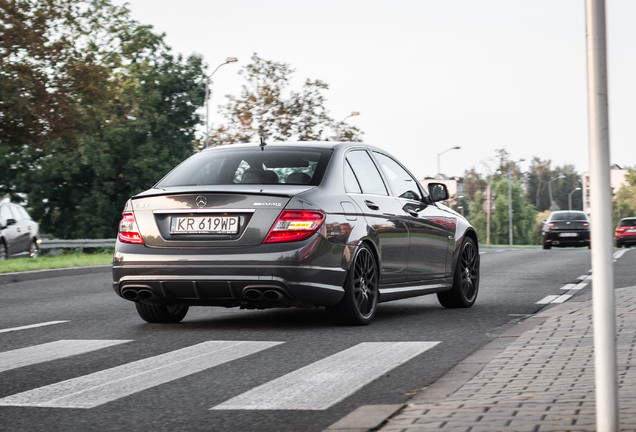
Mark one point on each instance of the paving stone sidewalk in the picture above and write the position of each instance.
(542, 381)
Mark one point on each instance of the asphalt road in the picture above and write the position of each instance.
(96, 366)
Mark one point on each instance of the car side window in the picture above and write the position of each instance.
(350, 180)
(366, 172)
(402, 183)
(21, 213)
(5, 214)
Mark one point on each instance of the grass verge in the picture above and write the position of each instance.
(48, 262)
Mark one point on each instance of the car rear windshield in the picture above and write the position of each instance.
(568, 216)
(293, 165)
(627, 222)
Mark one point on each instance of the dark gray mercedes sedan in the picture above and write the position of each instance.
(339, 225)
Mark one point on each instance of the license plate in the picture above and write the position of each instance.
(204, 225)
(568, 235)
(631, 230)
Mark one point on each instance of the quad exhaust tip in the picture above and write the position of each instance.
(257, 294)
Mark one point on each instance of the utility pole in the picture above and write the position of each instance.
(604, 309)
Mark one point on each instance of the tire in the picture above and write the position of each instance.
(546, 245)
(162, 314)
(4, 253)
(360, 301)
(466, 280)
(34, 250)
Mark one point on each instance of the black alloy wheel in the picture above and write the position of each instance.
(360, 301)
(4, 254)
(173, 313)
(466, 281)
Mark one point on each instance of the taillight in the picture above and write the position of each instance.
(295, 225)
(586, 224)
(128, 231)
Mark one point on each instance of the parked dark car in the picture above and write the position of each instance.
(568, 228)
(19, 234)
(626, 232)
(337, 225)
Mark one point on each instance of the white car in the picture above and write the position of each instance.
(19, 234)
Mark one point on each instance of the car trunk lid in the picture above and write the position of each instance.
(206, 219)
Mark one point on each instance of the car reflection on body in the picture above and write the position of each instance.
(567, 228)
(626, 232)
(337, 225)
(19, 234)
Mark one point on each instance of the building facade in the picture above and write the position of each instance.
(617, 179)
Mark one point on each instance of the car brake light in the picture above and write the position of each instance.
(128, 231)
(585, 224)
(295, 225)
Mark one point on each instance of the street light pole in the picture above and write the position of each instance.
(353, 114)
(553, 205)
(510, 203)
(207, 97)
(570, 197)
(439, 154)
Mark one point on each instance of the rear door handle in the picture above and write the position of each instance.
(371, 205)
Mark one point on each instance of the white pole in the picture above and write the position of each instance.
(207, 111)
(510, 207)
(601, 236)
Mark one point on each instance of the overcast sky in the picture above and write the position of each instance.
(428, 75)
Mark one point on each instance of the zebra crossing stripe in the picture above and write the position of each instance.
(32, 326)
(105, 386)
(324, 383)
(51, 351)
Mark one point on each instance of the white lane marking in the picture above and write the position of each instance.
(547, 299)
(51, 351)
(584, 281)
(32, 326)
(619, 254)
(575, 287)
(561, 298)
(105, 386)
(326, 382)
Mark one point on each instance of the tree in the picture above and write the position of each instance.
(541, 174)
(538, 177)
(265, 109)
(506, 181)
(625, 198)
(124, 111)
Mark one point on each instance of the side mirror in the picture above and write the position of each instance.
(11, 222)
(438, 192)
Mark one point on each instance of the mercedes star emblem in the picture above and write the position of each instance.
(201, 201)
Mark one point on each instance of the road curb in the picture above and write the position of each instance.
(6, 278)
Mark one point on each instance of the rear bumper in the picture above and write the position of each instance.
(582, 239)
(626, 240)
(254, 281)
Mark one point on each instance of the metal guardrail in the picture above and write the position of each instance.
(79, 243)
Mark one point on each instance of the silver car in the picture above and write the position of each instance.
(19, 234)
